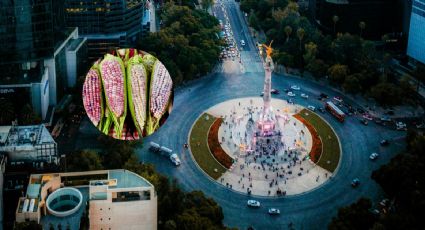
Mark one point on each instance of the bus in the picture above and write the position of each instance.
(334, 110)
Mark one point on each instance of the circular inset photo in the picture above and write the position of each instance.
(128, 94)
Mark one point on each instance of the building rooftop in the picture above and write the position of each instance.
(24, 136)
(127, 179)
(75, 44)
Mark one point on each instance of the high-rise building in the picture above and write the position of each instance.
(380, 16)
(104, 199)
(416, 41)
(107, 24)
(35, 45)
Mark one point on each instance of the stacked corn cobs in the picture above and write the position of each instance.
(125, 96)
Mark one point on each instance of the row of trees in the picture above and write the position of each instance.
(188, 42)
(403, 180)
(176, 209)
(346, 60)
(25, 115)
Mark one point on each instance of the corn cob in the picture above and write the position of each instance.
(137, 84)
(126, 54)
(113, 77)
(159, 95)
(149, 61)
(92, 96)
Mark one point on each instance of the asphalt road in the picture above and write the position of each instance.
(312, 210)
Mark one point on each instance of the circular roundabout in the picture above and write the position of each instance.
(64, 202)
(225, 144)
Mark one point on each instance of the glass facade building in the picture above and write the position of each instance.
(416, 42)
(107, 24)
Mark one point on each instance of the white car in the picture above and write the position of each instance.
(303, 95)
(175, 159)
(295, 87)
(338, 99)
(373, 156)
(253, 203)
(291, 94)
(312, 108)
(242, 42)
(400, 125)
(274, 211)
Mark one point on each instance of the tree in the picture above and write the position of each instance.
(84, 160)
(7, 114)
(386, 93)
(253, 20)
(356, 216)
(206, 4)
(352, 83)
(310, 52)
(337, 73)
(362, 26)
(300, 35)
(288, 32)
(318, 68)
(335, 19)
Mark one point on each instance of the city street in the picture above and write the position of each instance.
(312, 210)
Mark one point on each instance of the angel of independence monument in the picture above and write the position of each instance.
(266, 136)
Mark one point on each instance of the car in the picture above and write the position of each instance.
(364, 121)
(321, 109)
(384, 142)
(373, 156)
(274, 91)
(338, 99)
(323, 95)
(242, 42)
(274, 211)
(360, 110)
(368, 117)
(295, 87)
(253, 203)
(401, 126)
(175, 159)
(355, 182)
(312, 108)
(420, 126)
(290, 101)
(291, 94)
(386, 118)
(303, 95)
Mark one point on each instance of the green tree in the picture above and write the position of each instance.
(253, 21)
(352, 83)
(7, 114)
(288, 32)
(206, 4)
(337, 73)
(356, 216)
(386, 93)
(310, 52)
(335, 19)
(362, 26)
(300, 35)
(84, 160)
(318, 68)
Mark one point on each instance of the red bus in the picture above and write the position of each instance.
(334, 110)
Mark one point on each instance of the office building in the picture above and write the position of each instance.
(35, 46)
(104, 199)
(416, 40)
(107, 24)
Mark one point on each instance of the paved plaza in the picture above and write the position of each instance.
(287, 172)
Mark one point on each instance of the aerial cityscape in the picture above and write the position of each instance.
(212, 114)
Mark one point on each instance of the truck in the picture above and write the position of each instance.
(164, 151)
